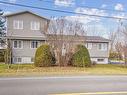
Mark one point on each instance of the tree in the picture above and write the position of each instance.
(2, 28)
(2, 35)
(3, 39)
(81, 58)
(125, 44)
(62, 35)
(112, 37)
(43, 56)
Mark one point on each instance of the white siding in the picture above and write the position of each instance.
(105, 60)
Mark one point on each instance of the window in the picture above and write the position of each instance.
(100, 60)
(18, 24)
(89, 45)
(34, 44)
(102, 46)
(18, 44)
(17, 59)
(35, 25)
(105, 46)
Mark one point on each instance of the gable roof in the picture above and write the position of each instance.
(21, 12)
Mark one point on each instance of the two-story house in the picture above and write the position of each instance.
(26, 32)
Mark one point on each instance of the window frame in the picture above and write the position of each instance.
(100, 59)
(31, 44)
(16, 59)
(89, 45)
(17, 44)
(35, 25)
(104, 46)
(18, 22)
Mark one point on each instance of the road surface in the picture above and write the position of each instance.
(74, 85)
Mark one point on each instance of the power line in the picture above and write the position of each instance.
(89, 7)
(56, 10)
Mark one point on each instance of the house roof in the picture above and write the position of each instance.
(96, 39)
(66, 37)
(79, 38)
(21, 12)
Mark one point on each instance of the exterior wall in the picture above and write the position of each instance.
(96, 52)
(98, 62)
(26, 31)
(26, 52)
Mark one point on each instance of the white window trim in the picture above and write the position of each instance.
(91, 44)
(31, 45)
(34, 23)
(18, 24)
(102, 47)
(21, 44)
(17, 59)
(100, 59)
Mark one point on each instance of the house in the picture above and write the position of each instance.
(26, 32)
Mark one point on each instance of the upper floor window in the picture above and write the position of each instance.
(18, 44)
(18, 24)
(102, 46)
(34, 44)
(35, 25)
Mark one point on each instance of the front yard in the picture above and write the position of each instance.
(30, 70)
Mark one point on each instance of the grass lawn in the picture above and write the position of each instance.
(30, 70)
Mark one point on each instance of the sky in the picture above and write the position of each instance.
(114, 8)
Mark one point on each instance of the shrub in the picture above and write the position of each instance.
(81, 58)
(2, 52)
(43, 56)
(115, 56)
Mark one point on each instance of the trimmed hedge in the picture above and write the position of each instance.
(43, 56)
(81, 58)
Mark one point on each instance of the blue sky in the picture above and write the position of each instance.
(102, 25)
(70, 5)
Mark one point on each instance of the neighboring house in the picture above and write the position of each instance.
(26, 32)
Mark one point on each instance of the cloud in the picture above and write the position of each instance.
(120, 15)
(12, 1)
(119, 7)
(7, 12)
(86, 19)
(65, 3)
(92, 11)
(82, 19)
(103, 6)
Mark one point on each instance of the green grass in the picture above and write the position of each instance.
(30, 70)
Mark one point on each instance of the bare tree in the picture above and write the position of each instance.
(125, 45)
(112, 37)
(119, 50)
(62, 36)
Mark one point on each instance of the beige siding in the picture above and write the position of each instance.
(26, 51)
(26, 31)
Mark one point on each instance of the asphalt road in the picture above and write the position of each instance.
(77, 85)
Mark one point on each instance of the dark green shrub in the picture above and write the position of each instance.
(2, 52)
(43, 56)
(81, 58)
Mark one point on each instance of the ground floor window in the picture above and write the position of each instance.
(100, 60)
(17, 59)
